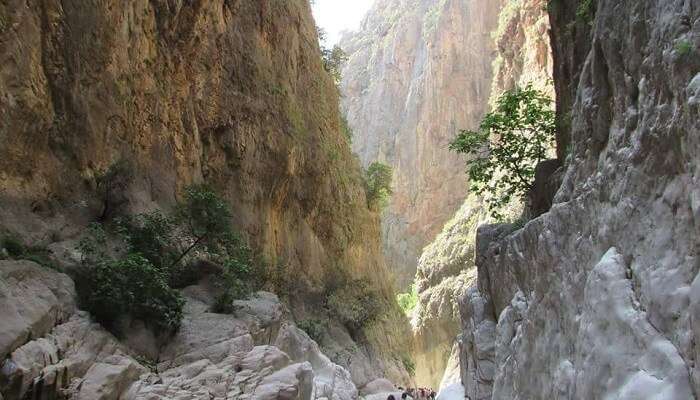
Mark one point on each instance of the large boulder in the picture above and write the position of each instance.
(33, 300)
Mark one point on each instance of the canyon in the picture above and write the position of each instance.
(588, 287)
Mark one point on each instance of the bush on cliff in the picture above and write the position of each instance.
(509, 144)
(355, 304)
(378, 179)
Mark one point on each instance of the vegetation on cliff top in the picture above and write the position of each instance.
(508, 145)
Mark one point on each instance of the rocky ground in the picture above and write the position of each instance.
(52, 350)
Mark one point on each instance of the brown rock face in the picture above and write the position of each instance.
(228, 92)
(418, 72)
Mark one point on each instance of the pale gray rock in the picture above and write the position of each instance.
(33, 299)
(378, 386)
(596, 298)
(107, 379)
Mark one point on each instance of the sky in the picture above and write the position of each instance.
(335, 16)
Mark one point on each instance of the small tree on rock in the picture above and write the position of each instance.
(378, 185)
(509, 144)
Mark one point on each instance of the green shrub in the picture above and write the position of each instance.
(238, 273)
(333, 62)
(313, 327)
(378, 185)
(409, 365)
(152, 235)
(408, 301)
(523, 127)
(14, 246)
(131, 286)
(345, 128)
(683, 48)
(137, 276)
(586, 11)
(355, 304)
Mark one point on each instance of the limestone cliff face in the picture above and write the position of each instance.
(524, 53)
(445, 272)
(228, 92)
(522, 56)
(599, 295)
(419, 70)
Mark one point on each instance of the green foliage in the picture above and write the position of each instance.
(151, 255)
(586, 11)
(204, 214)
(345, 128)
(131, 286)
(409, 365)
(313, 327)
(408, 301)
(333, 62)
(237, 274)
(14, 247)
(17, 250)
(355, 304)
(152, 235)
(93, 244)
(523, 125)
(378, 179)
(683, 48)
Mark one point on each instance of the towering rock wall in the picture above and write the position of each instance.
(598, 297)
(446, 270)
(228, 92)
(418, 71)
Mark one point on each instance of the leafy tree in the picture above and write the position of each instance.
(334, 60)
(523, 129)
(205, 218)
(378, 185)
(135, 272)
(131, 286)
(408, 301)
(152, 235)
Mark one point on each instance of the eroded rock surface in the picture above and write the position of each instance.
(598, 295)
(229, 93)
(418, 71)
(212, 356)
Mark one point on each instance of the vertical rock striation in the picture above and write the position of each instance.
(418, 71)
(232, 93)
(598, 297)
(522, 56)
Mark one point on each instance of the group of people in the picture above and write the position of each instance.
(415, 394)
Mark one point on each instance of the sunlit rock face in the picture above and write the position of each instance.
(445, 272)
(418, 72)
(231, 93)
(598, 297)
(522, 56)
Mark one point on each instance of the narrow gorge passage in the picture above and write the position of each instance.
(367, 199)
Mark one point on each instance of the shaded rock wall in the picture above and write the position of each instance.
(596, 298)
(228, 92)
(418, 72)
